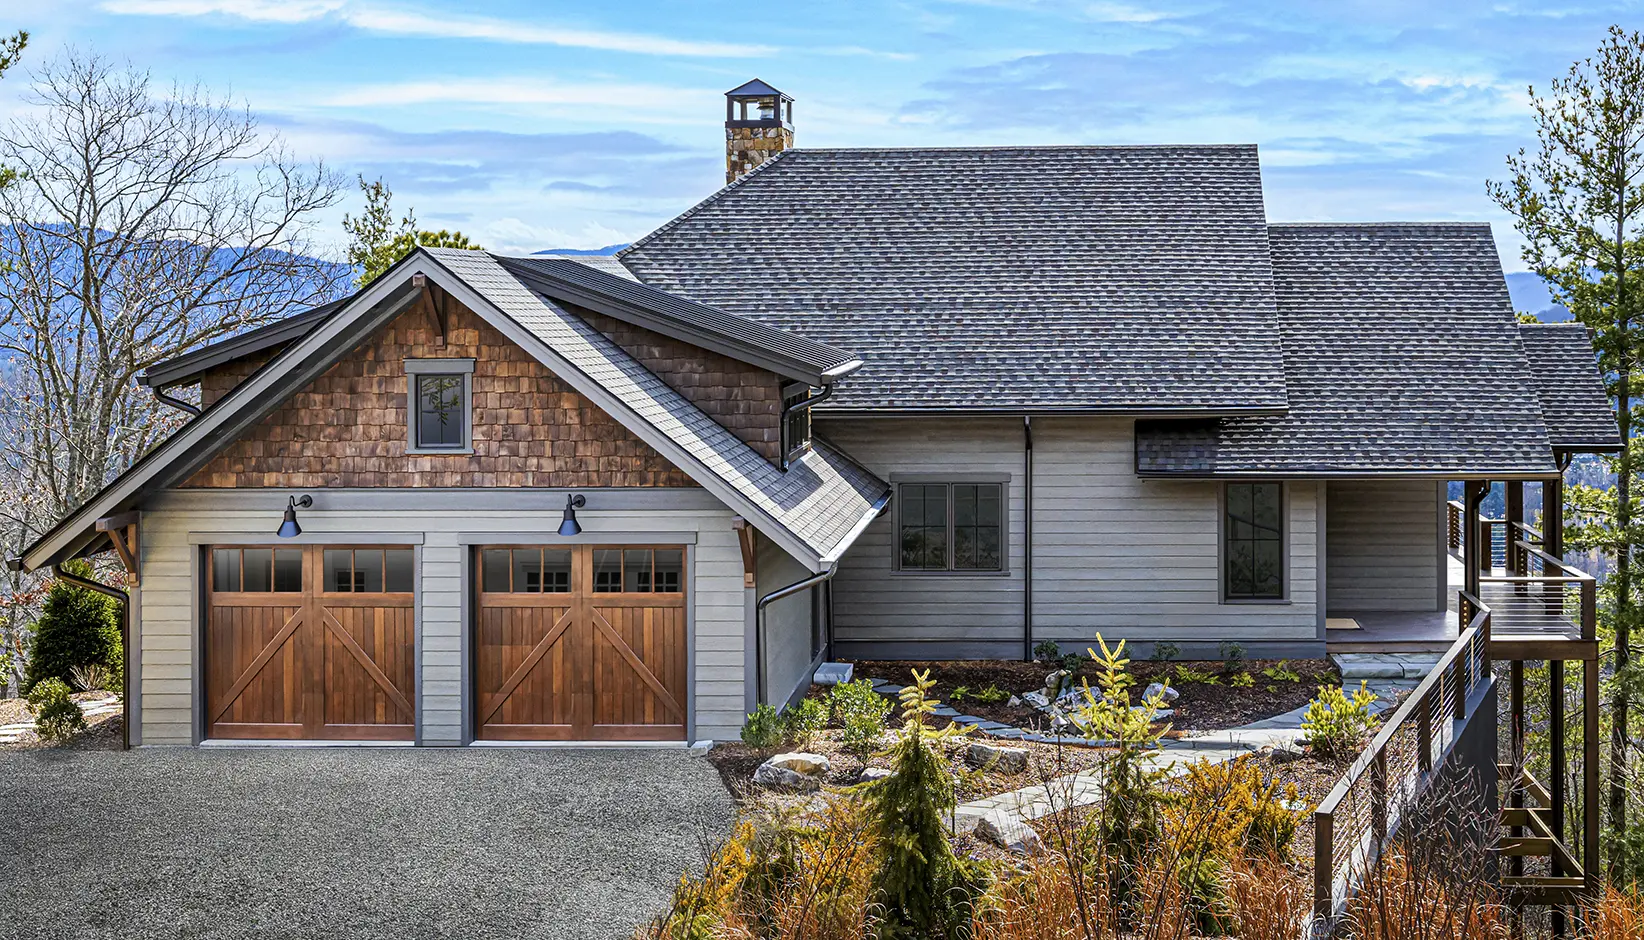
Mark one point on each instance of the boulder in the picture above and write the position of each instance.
(1013, 701)
(1006, 831)
(870, 774)
(1164, 692)
(770, 775)
(1056, 683)
(1010, 760)
(1036, 699)
(801, 762)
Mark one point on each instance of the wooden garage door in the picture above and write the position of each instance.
(585, 643)
(310, 642)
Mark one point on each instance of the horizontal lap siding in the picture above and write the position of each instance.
(1140, 559)
(166, 633)
(1382, 545)
(872, 601)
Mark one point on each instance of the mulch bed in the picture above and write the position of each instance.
(103, 733)
(1209, 701)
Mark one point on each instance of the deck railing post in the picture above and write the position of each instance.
(1424, 734)
(1378, 801)
(1324, 868)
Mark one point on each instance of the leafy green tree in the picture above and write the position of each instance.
(377, 241)
(77, 627)
(1578, 200)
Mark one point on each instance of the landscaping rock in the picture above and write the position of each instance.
(1165, 692)
(801, 762)
(1010, 760)
(874, 773)
(1056, 684)
(770, 775)
(1013, 701)
(834, 673)
(1036, 699)
(1008, 832)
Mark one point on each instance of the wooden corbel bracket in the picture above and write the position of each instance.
(433, 301)
(125, 535)
(745, 536)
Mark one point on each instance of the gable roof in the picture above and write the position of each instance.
(814, 511)
(1402, 356)
(1120, 279)
(1574, 404)
(753, 87)
(627, 299)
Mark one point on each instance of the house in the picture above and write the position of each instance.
(926, 403)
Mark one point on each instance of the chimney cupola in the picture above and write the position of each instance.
(758, 126)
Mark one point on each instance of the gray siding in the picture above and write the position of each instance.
(788, 624)
(1140, 559)
(1129, 558)
(174, 522)
(958, 614)
(1382, 540)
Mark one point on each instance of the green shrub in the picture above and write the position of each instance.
(1283, 672)
(991, 695)
(77, 627)
(1232, 654)
(923, 888)
(763, 729)
(859, 711)
(1337, 727)
(802, 722)
(56, 717)
(1165, 651)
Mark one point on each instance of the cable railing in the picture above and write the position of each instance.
(1555, 602)
(1353, 825)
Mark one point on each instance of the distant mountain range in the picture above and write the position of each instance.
(607, 250)
(1530, 294)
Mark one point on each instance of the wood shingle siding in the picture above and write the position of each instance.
(1382, 545)
(347, 428)
(218, 382)
(745, 400)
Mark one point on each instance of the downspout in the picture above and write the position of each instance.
(125, 642)
(782, 422)
(176, 403)
(1027, 540)
(759, 621)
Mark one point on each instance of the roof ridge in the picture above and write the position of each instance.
(986, 148)
(1382, 224)
(675, 222)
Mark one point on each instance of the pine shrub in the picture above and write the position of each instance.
(1336, 727)
(77, 627)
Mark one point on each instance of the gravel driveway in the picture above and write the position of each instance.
(357, 843)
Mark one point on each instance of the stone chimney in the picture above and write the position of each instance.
(758, 126)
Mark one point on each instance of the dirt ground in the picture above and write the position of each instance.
(1209, 698)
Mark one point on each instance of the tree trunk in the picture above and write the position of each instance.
(1620, 703)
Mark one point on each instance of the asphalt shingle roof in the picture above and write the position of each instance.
(1402, 354)
(822, 499)
(1089, 278)
(1574, 404)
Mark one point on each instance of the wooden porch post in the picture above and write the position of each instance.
(1589, 777)
(1515, 518)
(1472, 494)
(1552, 522)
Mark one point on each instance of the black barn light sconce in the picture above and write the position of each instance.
(288, 526)
(569, 526)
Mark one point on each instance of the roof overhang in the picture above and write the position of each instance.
(188, 367)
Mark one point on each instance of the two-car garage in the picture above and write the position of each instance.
(569, 642)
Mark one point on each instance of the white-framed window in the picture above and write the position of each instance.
(1253, 562)
(958, 526)
(439, 412)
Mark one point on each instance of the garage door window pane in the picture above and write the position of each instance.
(670, 566)
(288, 570)
(397, 576)
(257, 570)
(556, 571)
(527, 570)
(225, 569)
(608, 570)
(368, 570)
(494, 567)
(339, 570)
(636, 570)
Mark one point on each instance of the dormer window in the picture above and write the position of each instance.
(439, 411)
(796, 421)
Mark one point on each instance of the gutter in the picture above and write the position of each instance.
(759, 621)
(177, 403)
(1027, 539)
(125, 643)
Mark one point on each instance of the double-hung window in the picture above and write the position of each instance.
(439, 413)
(1253, 541)
(951, 526)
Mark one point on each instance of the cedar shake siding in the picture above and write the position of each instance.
(348, 427)
(745, 400)
(216, 383)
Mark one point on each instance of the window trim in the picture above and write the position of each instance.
(415, 368)
(1284, 545)
(793, 450)
(949, 479)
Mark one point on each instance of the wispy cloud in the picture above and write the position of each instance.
(640, 102)
(403, 21)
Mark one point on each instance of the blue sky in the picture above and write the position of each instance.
(550, 124)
